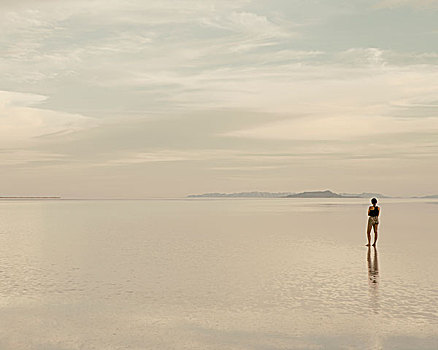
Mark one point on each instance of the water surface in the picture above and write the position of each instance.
(217, 274)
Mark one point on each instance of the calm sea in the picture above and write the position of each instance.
(217, 274)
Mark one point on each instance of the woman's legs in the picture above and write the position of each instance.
(369, 234)
(375, 234)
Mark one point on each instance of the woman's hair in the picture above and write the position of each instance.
(374, 201)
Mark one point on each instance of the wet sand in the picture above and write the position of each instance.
(217, 274)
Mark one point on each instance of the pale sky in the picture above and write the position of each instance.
(142, 98)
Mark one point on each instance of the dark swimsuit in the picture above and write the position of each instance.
(373, 216)
(374, 211)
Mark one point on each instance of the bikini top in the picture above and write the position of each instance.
(374, 211)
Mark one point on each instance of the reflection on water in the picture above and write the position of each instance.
(373, 278)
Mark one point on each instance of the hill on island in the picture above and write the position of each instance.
(316, 194)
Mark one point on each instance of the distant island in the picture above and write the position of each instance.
(29, 197)
(432, 196)
(309, 194)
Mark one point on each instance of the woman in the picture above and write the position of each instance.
(373, 221)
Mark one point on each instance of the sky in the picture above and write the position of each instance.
(142, 98)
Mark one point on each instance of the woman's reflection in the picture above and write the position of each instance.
(373, 277)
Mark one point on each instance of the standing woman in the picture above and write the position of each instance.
(373, 221)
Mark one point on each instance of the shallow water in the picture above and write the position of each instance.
(217, 274)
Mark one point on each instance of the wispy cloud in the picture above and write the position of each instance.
(12, 157)
(21, 120)
(412, 3)
(341, 128)
(169, 156)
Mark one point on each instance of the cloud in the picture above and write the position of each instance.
(413, 3)
(12, 157)
(300, 89)
(340, 128)
(22, 121)
(58, 37)
(250, 30)
(360, 56)
(255, 168)
(169, 156)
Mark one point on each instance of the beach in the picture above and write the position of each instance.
(232, 274)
